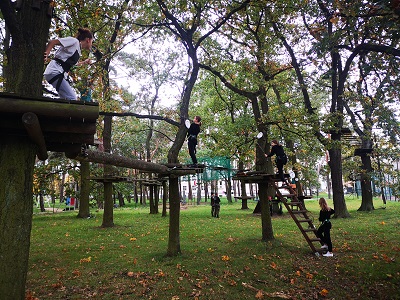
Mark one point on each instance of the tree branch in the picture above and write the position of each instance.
(139, 116)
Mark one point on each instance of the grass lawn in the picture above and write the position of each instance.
(221, 258)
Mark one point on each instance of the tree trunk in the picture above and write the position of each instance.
(366, 190)
(153, 209)
(190, 191)
(243, 192)
(165, 198)
(108, 218)
(335, 164)
(23, 74)
(17, 158)
(174, 245)
(84, 211)
(199, 184)
(228, 188)
(41, 202)
(264, 191)
(156, 197)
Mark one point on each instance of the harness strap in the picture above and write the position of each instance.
(66, 66)
(58, 77)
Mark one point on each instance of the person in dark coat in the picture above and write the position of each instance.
(324, 230)
(280, 160)
(192, 133)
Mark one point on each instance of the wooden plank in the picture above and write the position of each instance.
(69, 148)
(50, 108)
(69, 138)
(13, 123)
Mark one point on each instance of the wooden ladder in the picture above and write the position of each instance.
(288, 196)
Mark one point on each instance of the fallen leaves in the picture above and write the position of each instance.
(85, 260)
(260, 293)
(324, 292)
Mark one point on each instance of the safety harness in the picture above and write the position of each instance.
(66, 65)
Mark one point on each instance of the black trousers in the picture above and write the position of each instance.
(279, 166)
(192, 142)
(324, 233)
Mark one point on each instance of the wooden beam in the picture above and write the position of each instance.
(32, 125)
(121, 161)
(50, 108)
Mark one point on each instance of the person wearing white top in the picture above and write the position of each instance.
(66, 56)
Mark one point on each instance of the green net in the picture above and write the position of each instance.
(217, 168)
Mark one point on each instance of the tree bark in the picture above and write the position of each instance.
(23, 74)
(174, 245)
(267, 231)
(335, 164)
(108, 217)
(366, 188)
(165, 198)
(84, 211)
(17, 158)
(121, 161)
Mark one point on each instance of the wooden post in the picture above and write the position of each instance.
(32, 126)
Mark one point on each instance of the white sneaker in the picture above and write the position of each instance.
(328, 254)
(324, 247)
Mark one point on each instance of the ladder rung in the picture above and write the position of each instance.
(288, 195)
(315, 240)
(294, 203)
(310, 230)
(299, 211)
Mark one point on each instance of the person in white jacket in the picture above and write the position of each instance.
(66, 56)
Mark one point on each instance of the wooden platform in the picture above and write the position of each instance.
(116, 178)
(199, 168)
(257, 177)
(54, 124)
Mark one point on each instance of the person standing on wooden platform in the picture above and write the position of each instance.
(281, 158)
(192, 133)
(66, 56)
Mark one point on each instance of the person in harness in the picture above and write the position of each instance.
(66, 56)
(281, 158)
(192, 133)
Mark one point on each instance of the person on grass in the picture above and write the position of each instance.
(324, 230)
(66, 56)
(216, 206)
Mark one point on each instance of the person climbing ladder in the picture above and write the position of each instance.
(281, 158)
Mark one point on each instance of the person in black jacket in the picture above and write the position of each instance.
(280, 160)
(192, 133)
(324, 230)
(217, 202)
